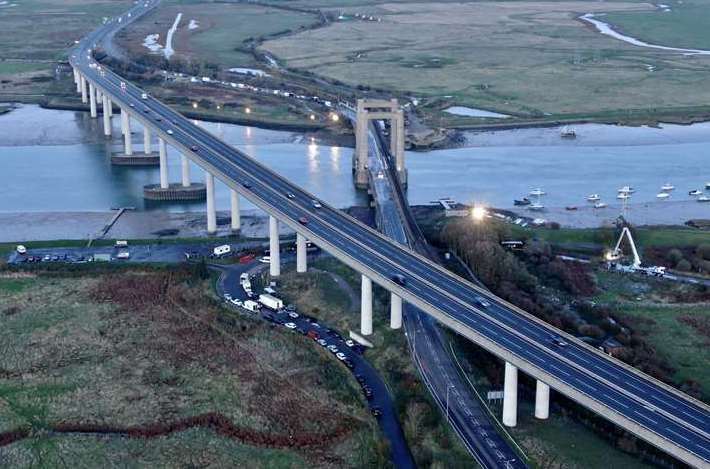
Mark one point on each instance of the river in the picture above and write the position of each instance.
(59, 161)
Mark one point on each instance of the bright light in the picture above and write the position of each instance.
(478, 213)
(219, 107)
(194, 105)
(334, 117)
(313, 117)
(247, 110)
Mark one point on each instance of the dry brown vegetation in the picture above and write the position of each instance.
(147, 355)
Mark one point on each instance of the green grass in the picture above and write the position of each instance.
(504, 58)
(685, 26)
(11, 68)
(14, 285)
(680, 344)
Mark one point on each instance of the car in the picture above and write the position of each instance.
(144, 96)
(303, 220)
(290, 307)
(246, 184)
(313, 335)
(158, 119)
(315, 324)
(482, 302)
(290, 325)
(169, 131)
(292, 315)
(55, 258)
(399, 279)
(132, 105)
(333, 348)
(21, 249)
(341, 356)
(265, 260)
(236, 302)
(367, 391)
(322, 342)
(350, 343)
(291, 195)
(349, 363)
(146, 110)
(376, 411)
(227, 296)
(559, 341)
(316, 204)
(194, 148)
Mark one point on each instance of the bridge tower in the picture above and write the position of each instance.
(378, 109)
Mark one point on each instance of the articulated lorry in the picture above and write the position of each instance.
(271, 302)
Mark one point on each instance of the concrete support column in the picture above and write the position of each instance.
(542, 400)
(399, 152)
(163, 153)
(107, 117)
(126, 124)
(395, 311)
(366, 306)
(185, 163)
(274, 252)
(146, 140)
(110, 107)
(236, 216)
(77, 80)
(211, 210)
(84, 95)
(92, 100)
(301, 254)
(510, 396)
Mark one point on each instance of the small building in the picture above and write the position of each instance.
(453, 208)
(612, 346)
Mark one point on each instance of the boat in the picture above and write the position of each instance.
(623, 196)
(707, 186)
(537, 206)
(663, 195)
(571, 207)
(667, 187)
(695, 192)
(703, 198)
(537, 192)
(566, 132)
(593, 197)
(600, 205)
(523, 201)
(627, 190)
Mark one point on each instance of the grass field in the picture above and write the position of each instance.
(145, 357)
(221, 33)
(527, 58)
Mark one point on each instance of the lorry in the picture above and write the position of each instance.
(222, 250)
(271, 302)
(251, 305)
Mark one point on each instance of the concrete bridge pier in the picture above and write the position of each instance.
(395, 311)
(366, 306)
(185, 166)
(163, 157)
(126, 126)
(301, 254)
(146, 142)
(362, 150)
(211, 209)
(274, 248)
(397, 145)
(110, 106)
(107, 116)
(510, 396)
(84, 94)
(92, 100)
(77, 80)
(542, 400)
(236, 216)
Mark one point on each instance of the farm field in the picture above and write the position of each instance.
(526, 58)
(141, 368)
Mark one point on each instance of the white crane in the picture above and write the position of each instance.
(615, 254)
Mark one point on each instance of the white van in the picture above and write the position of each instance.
(121, 243)
(21, 249)
(265, 260)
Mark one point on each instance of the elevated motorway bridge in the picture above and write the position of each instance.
(655, 412)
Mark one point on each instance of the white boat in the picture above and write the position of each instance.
(537, 206)
(627, 190)
(667, 187)
(695, 192)
(703, 198)
(593, 197)
(623, 196)
(600, 205)
(663, 195)
(707, 186)
(566, 132)
(537, 192)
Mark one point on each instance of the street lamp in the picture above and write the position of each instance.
(478, 213)
(247, 110)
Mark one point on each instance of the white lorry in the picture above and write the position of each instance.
(222, 250)
(251, 305)
(271, 302)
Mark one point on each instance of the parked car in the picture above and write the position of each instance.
(290, 325)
